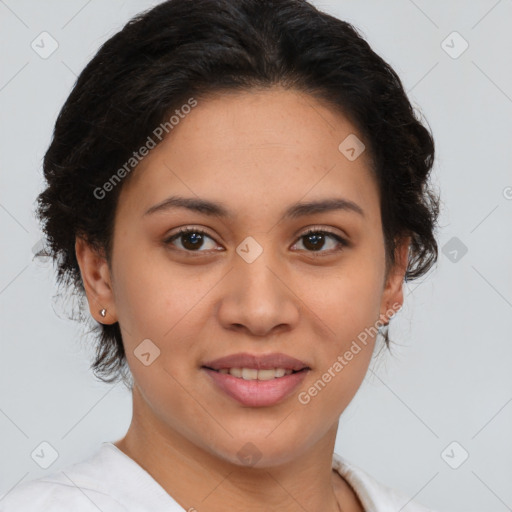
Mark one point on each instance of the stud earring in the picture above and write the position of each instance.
(103, 313)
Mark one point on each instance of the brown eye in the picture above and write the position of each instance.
(315, 240)
(192, 239)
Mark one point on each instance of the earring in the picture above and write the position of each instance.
(103, 313)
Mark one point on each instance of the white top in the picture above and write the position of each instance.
(110, 481)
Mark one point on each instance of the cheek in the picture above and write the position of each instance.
(346, 308)
(346, 302)
(169, 308)
(150, 300)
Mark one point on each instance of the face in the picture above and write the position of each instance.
(250, 283)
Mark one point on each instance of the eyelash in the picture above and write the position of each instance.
(314, 230)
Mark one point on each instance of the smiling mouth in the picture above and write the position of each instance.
(257, 374)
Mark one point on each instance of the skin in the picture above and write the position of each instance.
(258, 153)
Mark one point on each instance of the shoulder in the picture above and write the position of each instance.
(49, 495)
(374, 495)
(108, 480)
(76, 487)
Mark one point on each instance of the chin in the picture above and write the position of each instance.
(261, 450)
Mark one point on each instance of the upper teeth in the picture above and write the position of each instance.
(254, 374)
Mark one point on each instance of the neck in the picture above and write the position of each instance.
(197, 479)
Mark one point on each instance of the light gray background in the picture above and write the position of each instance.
(450, 377)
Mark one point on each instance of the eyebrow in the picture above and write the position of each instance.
(214, 209)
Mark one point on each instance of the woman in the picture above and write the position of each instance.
(239, 187)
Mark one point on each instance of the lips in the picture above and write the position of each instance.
(252, 391)
(258, 362)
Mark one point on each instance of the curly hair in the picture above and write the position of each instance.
(197, 48)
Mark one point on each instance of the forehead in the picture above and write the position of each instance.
(265, 147)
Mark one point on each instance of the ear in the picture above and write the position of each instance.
(97, 281)
(393, 297)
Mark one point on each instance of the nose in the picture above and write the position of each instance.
(258, 297)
